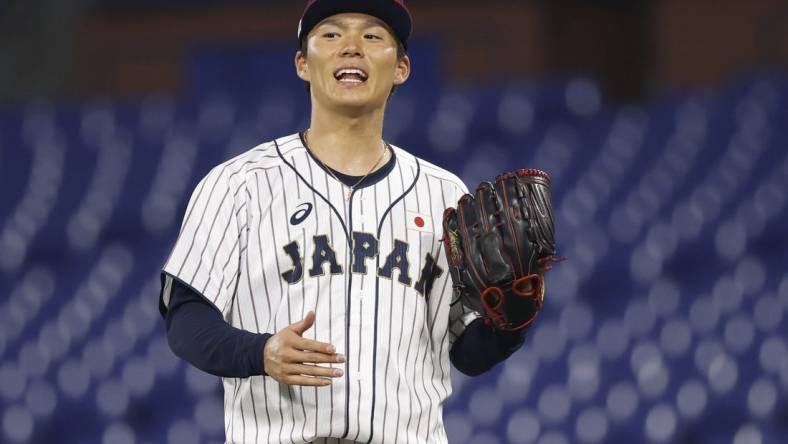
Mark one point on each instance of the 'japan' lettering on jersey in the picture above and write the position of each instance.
(270, 235)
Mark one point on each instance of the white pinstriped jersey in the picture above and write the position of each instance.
(270, 235)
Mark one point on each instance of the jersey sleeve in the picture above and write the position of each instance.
(206, 256)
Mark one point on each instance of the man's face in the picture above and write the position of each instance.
(351, 62)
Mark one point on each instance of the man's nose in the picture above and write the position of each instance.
(352, 48)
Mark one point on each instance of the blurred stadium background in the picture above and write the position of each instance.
(663, 124)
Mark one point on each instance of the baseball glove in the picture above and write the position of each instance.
(499, 242)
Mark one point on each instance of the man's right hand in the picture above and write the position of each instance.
(291, 359)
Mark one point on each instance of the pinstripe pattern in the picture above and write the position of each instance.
(232, 246)
(330, 298)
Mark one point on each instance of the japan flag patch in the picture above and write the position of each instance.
(420, 222)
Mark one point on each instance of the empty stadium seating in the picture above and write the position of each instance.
(667, 323)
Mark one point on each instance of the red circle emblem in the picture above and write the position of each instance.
(419, 221)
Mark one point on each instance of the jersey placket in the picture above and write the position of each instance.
(357, 377)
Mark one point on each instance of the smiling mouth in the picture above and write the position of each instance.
(351, 76)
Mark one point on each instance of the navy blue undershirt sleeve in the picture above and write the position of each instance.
(198, 333)
(480, 347)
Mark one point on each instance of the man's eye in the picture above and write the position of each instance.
(372, 37)
(330, 35)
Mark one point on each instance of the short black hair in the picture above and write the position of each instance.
(401, 53)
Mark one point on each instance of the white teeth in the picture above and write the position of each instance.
(355, 71)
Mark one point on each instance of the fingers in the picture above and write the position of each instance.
(314, 370)
(303, 325)
(289, 358)
(308, 375)
(301, 343)
(317, 358)
(297, 349)
(312, 345)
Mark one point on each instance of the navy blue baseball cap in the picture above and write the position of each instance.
(392, 12)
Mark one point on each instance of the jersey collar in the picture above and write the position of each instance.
(373, 177)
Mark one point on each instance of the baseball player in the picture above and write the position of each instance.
(309, 272)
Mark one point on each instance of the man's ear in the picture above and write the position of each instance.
(402, 71)
(302, 68)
